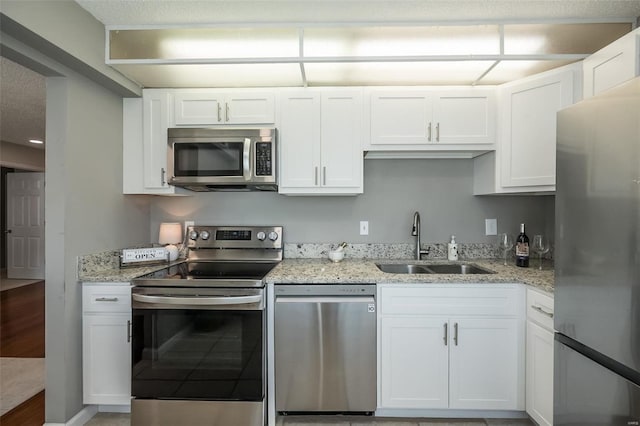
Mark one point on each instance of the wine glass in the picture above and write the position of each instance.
(505, 243)
(540, 246)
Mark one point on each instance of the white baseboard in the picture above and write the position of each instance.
(114, 408)
(79, 419)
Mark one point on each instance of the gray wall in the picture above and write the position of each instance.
(85, 213)
(441, 190)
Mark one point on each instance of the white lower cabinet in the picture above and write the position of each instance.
(106, 345)
(539, 369)
(408, 381)
(451, 347)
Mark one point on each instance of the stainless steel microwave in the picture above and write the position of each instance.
(217, 159)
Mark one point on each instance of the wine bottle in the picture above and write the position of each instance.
(522, 248)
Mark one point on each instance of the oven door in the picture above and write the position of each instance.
(198, 344)
(210, 161)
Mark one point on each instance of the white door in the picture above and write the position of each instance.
(484, 365)
(25, 225)
(539, 374)
(341, 152)
(401, 118)
(250, 108)
(106, 359)
(299, 134)
(464, 117)
(414, 362)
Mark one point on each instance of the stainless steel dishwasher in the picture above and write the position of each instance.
(325, 348)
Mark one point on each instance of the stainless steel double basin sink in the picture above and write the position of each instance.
(440, 268)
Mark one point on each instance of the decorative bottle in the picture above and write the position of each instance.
(522, 248)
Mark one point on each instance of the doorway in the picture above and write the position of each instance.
(22, 292)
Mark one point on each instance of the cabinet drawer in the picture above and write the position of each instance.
(540, 308)
(106, 298)
(467, 300)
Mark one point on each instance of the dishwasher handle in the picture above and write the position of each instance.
(325, 299)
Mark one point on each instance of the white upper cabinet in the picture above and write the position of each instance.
(320, 134)
(525, 157)
(212, 107)
(431, 119)
(612, 65)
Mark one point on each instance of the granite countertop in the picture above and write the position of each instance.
(114, 275)
(103, 268)
(351, 271)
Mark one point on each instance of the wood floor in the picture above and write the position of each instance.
(22, 317)
(29, 413)
(22, 321)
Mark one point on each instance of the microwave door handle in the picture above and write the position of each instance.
(246, 159)
(197, 301)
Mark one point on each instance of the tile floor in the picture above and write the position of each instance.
(117, 419)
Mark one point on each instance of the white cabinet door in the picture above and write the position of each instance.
(414, 363)
(106, 359)
(154, 134)
(539, 376)
(211, 107)
(341, 128)
(250, 108)
(612, 65)
(197, 108)
(464, 117)
(299, 135)
(401, 117)
(320, 142)
(528, 143)
(484, 364)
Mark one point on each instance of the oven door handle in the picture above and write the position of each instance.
(197, 300)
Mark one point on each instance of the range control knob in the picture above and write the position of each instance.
(261, 236)
(273, 236)
(193, 235)
(205, 235)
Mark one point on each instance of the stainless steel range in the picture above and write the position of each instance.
(198, 331)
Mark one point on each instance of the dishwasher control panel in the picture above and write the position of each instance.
(325, 290)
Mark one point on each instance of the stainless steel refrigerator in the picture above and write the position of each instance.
(597, 287)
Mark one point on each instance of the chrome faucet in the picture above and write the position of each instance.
(415, 231)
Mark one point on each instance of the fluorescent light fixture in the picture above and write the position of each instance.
(402, 41)
(36, 141)
(395, 73)
(203, 43)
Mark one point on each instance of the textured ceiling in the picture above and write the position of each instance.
(160, 12)
(22, 104)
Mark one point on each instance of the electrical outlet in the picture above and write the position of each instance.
(491, 227)
(364, 227)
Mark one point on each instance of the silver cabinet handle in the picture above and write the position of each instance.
(162, 173)
(446, 333)
(219, 111)
(226, 111)
(429, 130)
(324, 175)
(128, 331)
(438, 132)
(542, 311)
(455, 334)
(316, 176)
(8, 231)
(106, 299)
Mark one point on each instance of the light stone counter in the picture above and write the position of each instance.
(355, 271)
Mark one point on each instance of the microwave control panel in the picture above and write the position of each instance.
(263, 159)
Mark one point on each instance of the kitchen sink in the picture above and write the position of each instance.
(403, 268)
(442, 268)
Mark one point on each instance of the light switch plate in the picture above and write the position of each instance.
(364, 227)
(491, 226)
